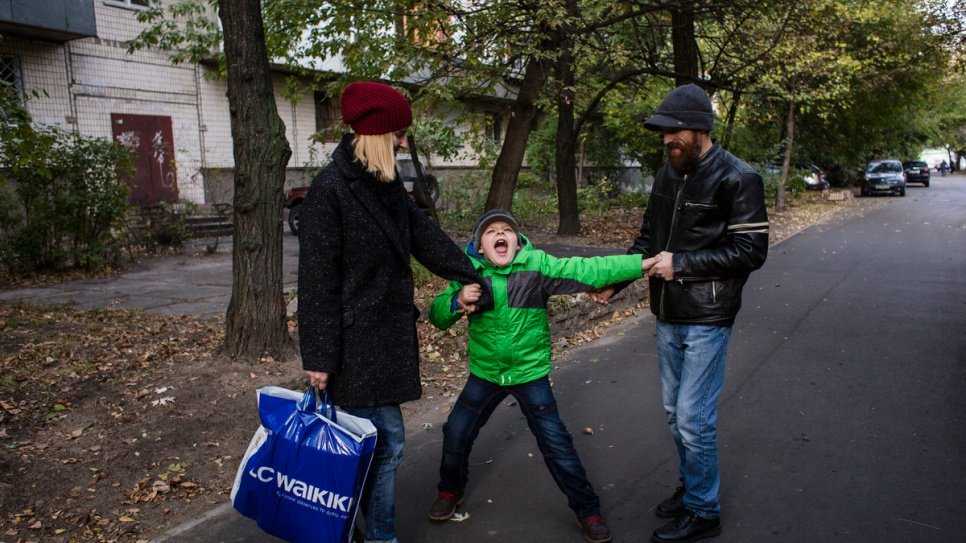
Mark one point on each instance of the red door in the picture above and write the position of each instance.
(149, 136)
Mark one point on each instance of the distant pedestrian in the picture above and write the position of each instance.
(357, 320)
(509, 354)
(942, 168)
(706, 221)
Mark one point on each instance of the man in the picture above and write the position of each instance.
(707, 225)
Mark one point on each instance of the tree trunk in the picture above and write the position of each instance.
(730, 121)
(683, 43)
(787, 163)
(566, 139)
(255, 324)
(423, 194)
(514, 148)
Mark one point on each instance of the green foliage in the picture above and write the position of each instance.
(436, 138)
(65, 201)
(462, 199)
(542, 153)
(188, 30)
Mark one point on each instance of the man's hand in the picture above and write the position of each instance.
(468, 296)
(318, 379)
(601, 295)
(664, 267)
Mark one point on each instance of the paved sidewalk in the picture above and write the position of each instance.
(189, 284)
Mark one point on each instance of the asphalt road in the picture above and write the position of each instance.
(842, 418)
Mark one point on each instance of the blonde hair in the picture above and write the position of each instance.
(376, 154)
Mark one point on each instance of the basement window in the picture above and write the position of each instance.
(10, 72)
(130, 4)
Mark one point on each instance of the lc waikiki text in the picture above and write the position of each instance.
(303, 490)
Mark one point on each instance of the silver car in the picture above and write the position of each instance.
(884, 177)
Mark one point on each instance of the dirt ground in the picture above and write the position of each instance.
(116, 425)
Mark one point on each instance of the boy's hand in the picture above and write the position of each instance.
(663, 267)
(649, 263)
(468, 296)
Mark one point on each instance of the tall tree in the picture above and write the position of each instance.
(569, 219)
(522, 115)
(683, 43)
(256, 318)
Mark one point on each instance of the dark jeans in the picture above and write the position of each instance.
(473, 408)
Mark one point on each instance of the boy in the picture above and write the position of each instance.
(509, 351)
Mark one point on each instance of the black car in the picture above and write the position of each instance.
(407, 171)
(884, 176)
(917, 171)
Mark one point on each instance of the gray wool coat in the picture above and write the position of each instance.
(357, 319)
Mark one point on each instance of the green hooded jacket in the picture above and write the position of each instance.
(510, 344)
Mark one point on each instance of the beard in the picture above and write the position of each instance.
(681, 155)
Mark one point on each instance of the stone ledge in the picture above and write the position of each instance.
(571, 314)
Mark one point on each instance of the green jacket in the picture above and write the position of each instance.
(510, 344)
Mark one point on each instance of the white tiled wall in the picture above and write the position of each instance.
(87, 80)
(94, 117)
(43, 67)
(299, 119)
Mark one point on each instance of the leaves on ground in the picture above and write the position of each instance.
(116, 424)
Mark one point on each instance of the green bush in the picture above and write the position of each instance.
(65, 201)
(166, 225)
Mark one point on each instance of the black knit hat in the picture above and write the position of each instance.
(684, 108)
(492, 216)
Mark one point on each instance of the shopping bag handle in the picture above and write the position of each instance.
(314, 402)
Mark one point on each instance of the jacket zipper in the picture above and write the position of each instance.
(674, 217)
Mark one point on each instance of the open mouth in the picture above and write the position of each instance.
(501, 246)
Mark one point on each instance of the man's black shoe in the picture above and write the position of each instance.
(671, 507)
(687, 527)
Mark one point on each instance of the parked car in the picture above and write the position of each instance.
(884, 176)
(407, 171)
(813, 176)
(917, 171)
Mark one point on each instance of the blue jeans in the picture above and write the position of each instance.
(378, 496)
(692, 363)
(473, 408)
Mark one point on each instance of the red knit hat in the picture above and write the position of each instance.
(374, 108)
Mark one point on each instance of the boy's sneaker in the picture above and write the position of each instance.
(445, 505)
(594, 529)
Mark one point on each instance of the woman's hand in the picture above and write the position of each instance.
(318, 379)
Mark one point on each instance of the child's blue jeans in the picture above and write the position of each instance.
(473, 408)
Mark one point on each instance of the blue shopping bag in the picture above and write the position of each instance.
(303, 472)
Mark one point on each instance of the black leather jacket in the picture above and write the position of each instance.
(714, 221)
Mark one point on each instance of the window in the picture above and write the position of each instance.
(133, 4)
(10, 72)
(328, 119)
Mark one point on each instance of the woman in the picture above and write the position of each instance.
(357, 319)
